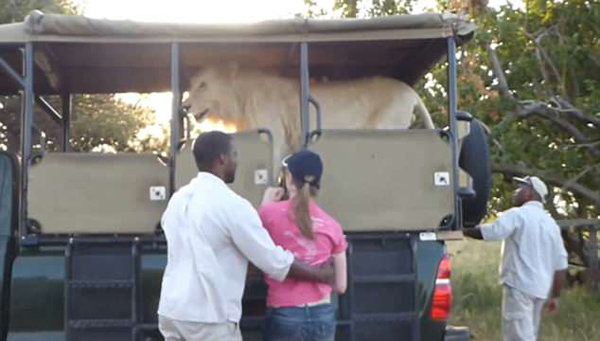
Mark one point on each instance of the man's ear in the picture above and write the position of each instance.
(531, 194)
(221, 160)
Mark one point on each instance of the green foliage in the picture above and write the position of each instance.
(99, 122)
(357, 8)
(568, 33)
(390, 7)
(15, 10)
(102, 120)
(349, 8)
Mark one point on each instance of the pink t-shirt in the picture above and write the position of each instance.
(329, 240)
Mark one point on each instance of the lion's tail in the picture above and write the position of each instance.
(424, 113)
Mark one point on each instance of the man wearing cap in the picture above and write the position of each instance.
(534, 260)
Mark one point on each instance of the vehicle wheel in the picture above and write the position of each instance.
(475, 160)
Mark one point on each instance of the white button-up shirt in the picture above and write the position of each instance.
(532, 249)
(211, 235)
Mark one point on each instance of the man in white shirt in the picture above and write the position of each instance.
(211, 235)
(534, 260)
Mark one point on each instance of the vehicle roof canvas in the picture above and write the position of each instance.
(127, 56)
(51, 27)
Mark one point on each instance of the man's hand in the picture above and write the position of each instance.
(552, 305)
(473, 232)
(272, 194)
(323, 273)
(328, 272)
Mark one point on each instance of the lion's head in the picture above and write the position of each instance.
(212, 94)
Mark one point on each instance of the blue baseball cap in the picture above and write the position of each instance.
(306, 167)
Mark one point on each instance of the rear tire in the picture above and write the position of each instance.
(475, 160)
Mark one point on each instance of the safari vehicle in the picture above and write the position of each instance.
(82, 251)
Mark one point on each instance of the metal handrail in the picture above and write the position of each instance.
(317, 106)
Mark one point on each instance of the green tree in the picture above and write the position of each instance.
(99, 122)
(15, 10)
(533, 77)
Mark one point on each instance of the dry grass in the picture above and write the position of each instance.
(477, 297)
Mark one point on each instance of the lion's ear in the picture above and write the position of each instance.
(197, 77)
(232, 69)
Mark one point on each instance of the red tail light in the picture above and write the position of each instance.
(442, 295)
(444, 270)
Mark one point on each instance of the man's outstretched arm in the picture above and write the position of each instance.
(500, 229)
(254, 242)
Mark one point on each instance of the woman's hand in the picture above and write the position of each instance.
(272, 194)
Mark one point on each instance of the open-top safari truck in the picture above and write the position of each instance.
(81, 249)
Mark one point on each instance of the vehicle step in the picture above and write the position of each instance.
(384, 278)
(106, 284)
(343, 323)
(392, 317)
(100, 324)
(146, 327)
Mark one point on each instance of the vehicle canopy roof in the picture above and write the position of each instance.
(77, 54)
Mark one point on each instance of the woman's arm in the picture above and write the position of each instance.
(272, 194)
(341, 276)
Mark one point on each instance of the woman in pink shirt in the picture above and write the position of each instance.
(301, 310)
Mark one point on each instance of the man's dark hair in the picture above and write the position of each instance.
(208, 147)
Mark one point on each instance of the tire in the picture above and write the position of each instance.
(475, 160)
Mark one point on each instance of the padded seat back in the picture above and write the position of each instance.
(386, 180)
(93, 193)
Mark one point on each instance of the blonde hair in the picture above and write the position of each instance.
(301, 207)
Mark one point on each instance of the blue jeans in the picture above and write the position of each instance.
(301, 324)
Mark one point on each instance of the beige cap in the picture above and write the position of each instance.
(537, 184)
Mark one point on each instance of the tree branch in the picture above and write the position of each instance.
(590, 144)
(566, 107)
(499, 73)
(537, 108)
(544, 59)
(514, 170)
(543, 110)
(580, 175)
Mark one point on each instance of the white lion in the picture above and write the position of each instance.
(253, 99)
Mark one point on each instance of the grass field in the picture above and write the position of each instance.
(477, 297)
